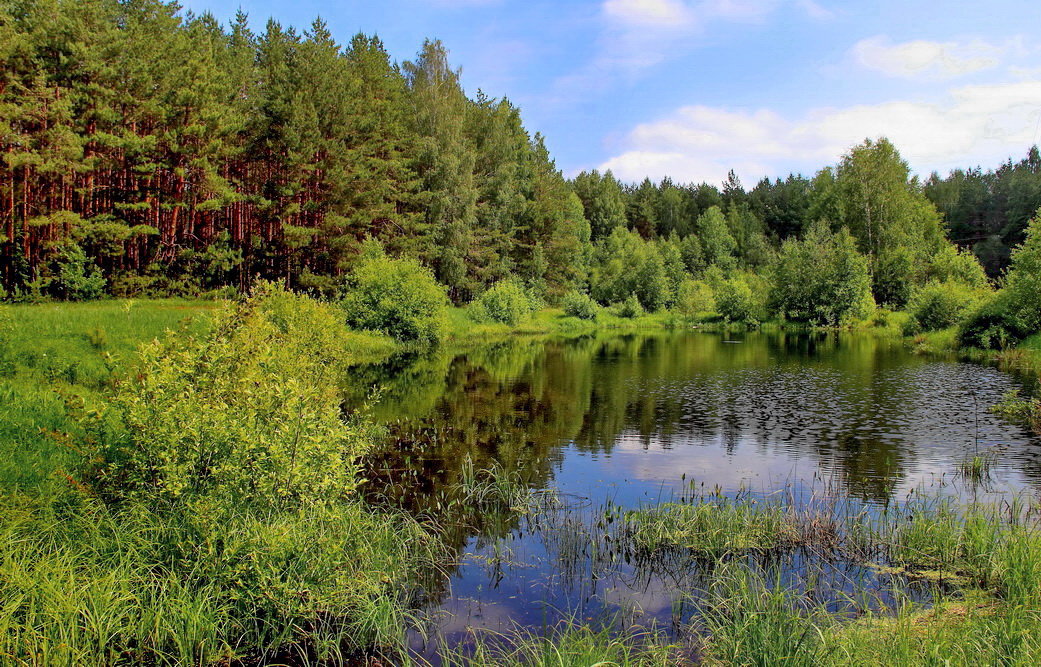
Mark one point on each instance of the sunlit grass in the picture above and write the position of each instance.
(568, 644)
(714, 527)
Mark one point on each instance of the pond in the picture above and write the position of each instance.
(598, 425)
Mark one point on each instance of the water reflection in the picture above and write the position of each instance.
(759, 406)
(637, 418)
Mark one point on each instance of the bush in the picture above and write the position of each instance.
(951, 264)
(1023, 282)
(78, 278)
(821, 279)
(249, 414)
(630, 308)
(694, 297)
(992, 325)
(399, 297)
(735, 301)
(506, 302)
(896, 272)
(941, 304)
(580, 305)
(1015, 311)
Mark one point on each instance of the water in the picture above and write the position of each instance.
(631, 420)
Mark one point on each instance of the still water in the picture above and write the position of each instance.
(631, 420)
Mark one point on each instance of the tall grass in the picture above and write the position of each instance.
(715, 527)
(568, 644)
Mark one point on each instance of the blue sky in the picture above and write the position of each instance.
(692, 88)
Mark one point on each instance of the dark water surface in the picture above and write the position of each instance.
(630, 420)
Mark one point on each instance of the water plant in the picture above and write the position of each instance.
(714, 527)
(566, 644)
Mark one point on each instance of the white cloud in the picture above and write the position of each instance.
(922, 58)
(637, 35)
(980, 124)
(653, 13)
(814, 10)
(738, 10)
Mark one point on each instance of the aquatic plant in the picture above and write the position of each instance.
(715, 527)
(566, 644)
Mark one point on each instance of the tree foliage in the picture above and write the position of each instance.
(822, 279)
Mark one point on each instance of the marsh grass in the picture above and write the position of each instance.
(978, 469)
(90, 587)
(493, 489)
(1016, 408)
(753, 620)
(715, 527)
(568, 644)
(829, 582)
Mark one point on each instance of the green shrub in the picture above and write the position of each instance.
(506, 302)
(399, 297)
(694, 297)
(1023, 281)
(896, 273)
(1015, 311)
(821, 279)
(78, 278)
(580, 305)
(630, 308)
(992, 325)
(248, 414)
(939, 305)
(961, 266)
(735, 301)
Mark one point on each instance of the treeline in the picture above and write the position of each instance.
(174, 155)
(150, 152)
(989, 210)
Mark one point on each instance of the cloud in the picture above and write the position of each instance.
(979, 124)
(644, 13)
(738, 10)
(814, 10)
(636, 35)
(921, 58)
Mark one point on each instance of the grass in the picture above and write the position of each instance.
(714, 528)
(754, 621)
(1018, 409)
(493, 489)
(548, 321)
(569, 644)
(86, 586)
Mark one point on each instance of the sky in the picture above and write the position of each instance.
(693, 88)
